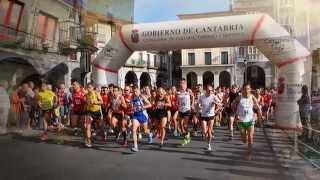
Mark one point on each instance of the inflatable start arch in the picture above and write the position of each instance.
(259, 30)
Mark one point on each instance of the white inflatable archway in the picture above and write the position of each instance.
(259, 30)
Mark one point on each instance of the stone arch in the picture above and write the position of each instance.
(16, 70)
(208, 79)
(131, 78)
(224, 79)
(76, 75)
(256, 76)
(145, 79)
(192, 80)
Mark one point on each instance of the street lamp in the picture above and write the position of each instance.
(245, 71)
(170, 67)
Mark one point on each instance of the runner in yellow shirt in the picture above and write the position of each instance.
(93, 114)
(47, 101)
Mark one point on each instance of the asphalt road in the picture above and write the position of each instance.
(24, 157)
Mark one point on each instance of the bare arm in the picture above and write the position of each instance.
(257, 106)
(147, 103)
(123, 102)
(168, 102)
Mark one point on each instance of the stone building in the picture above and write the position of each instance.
(38, 40)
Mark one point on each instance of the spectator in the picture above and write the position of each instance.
(4, 106)
(305, 110)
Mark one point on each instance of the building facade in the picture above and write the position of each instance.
(140, 70)
(38, 40)
(43, 39)
(292, 15)
(215, 66)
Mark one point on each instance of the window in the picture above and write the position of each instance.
(11, 13)
(191, 59)
(162, 64)
(207, 58)
(148, 60)
(224, 57)
(46, 27)
(241, 51)
(155, 60)
(140, 56)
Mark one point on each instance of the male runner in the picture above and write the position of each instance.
(185, 100)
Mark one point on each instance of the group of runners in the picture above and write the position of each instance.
(113, 111)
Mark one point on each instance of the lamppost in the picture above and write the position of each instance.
(170, 67)
(245, 71)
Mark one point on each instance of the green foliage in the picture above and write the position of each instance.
(13, 44)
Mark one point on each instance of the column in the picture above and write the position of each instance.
(216, 79)
(199, 78)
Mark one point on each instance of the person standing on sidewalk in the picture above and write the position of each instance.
(4, 106)
(305, 110)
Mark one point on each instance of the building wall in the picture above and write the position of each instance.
(137, 63)
(31, 50)
(120, 9)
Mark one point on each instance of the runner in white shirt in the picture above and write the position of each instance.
(208, 103)
(245, 115)
(185, 100)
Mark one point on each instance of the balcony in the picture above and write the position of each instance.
(67, 43)
(15, 39)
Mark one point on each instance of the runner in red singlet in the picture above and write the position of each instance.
(77, 106)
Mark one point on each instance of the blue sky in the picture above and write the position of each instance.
(164, 10)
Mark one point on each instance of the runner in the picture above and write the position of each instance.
(63, 103)
(93, 114)
(208, 103)
(196, 111)
(77, 107)
(185, 100)
(105, 108)
(126, 121)
(267, 99)
(140, 117)
(174, 110)
(117, 106)
(233, 94)
(245, 115)
(162, 104)
(47, 101)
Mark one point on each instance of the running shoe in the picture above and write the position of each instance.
(88, 145)
(110, 131)
(44, 137)
(150, 140)
(188, 138)
(184, 142)
(175, 133)
(134, 149)
(194, 134)
(160, 145)
(209, 148)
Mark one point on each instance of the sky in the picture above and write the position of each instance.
(165, 10)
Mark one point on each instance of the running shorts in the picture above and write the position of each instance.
(160, 113)
(207, 118)
(142, 117)
(184, 114)
(118, 116)
(245, 125)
